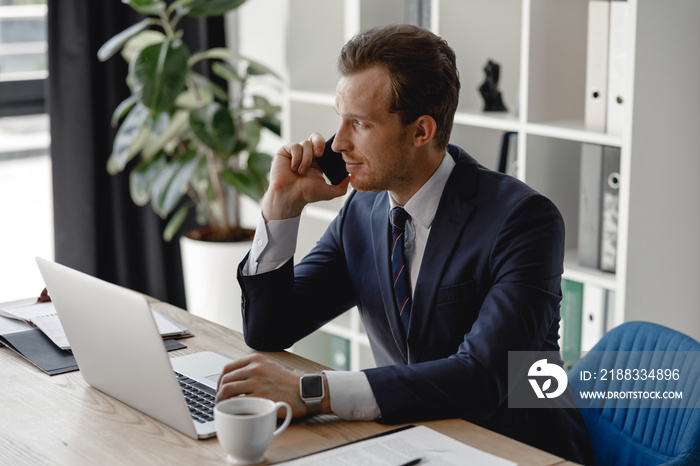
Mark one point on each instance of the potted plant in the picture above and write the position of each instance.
(188, 143)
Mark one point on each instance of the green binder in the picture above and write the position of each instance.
(571, 315)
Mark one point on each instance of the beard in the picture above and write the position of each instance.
(389, 171)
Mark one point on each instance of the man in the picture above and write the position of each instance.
(482, 257)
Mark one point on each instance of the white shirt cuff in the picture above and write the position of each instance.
(351, 396)
(273, 245)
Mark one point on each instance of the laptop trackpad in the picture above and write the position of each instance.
(204, 366)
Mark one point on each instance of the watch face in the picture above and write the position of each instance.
(312, 386)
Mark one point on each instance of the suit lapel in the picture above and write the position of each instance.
(452, 216)
(380, 241)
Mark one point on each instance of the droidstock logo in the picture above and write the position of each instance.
(540, 377)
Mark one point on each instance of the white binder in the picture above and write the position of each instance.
(593, 321)
(618, 60)
(597, 65)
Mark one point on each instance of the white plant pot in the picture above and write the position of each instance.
(209, 272)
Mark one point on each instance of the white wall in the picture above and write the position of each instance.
(666, 157)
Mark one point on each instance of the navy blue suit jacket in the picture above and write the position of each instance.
(489, 283)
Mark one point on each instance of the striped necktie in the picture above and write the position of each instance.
(399, 271)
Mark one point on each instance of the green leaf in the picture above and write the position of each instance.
(123, 108)
(160, 186)
(271, 123)
(256, 68)
(264, 182)
(178, 185)
(225, 71)
(259, 163)
(159, 122)
(222, 62)
(216, 53)
(255, 71)
(214, 127)
(158, 74)
(205, 84)
(221, 53)
(142, 177)
(251, 130)
(261, 103)
(140, 41)
(212, 7)
(174, 129)
(246, 182)
(171, 184)
(115, 43)
(147, 7)
(175, 222)
(126, 142)
(188, 100)
(116, 164)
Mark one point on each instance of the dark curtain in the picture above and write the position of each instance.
(97, 228)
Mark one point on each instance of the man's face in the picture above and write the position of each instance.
(376, 147)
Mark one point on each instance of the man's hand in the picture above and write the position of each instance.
(296, 180)
(257, 375)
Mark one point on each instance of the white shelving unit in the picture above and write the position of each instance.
(541, 47)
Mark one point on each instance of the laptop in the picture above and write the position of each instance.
(119, 351)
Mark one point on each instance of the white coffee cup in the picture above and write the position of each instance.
(246, 425)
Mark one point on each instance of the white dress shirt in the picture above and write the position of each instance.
(275, 243)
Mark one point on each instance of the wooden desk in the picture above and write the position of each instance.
(61, 420)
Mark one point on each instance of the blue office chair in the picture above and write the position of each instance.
(628, 431)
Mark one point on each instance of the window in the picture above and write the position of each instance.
(25, 164)
(23, 56)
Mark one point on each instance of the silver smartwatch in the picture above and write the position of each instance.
(311, 390)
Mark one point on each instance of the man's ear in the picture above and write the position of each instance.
(424, 130)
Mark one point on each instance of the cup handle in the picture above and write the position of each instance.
(287, 419)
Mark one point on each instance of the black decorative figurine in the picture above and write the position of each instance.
(489, 89)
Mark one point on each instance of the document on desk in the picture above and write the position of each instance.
(11, 325)
(44, 316)
(403, 447)
(34, 331)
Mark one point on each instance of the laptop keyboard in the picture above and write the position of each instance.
(200, 398)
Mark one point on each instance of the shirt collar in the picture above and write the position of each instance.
(423, 205)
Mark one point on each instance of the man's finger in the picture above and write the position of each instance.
(318, 143)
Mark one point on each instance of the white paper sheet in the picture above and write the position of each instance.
(8, 325)
(432, 447)
(44, 316)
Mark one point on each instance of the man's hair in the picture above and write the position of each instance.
(422, 69)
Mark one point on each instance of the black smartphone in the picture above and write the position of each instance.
(331, 164)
